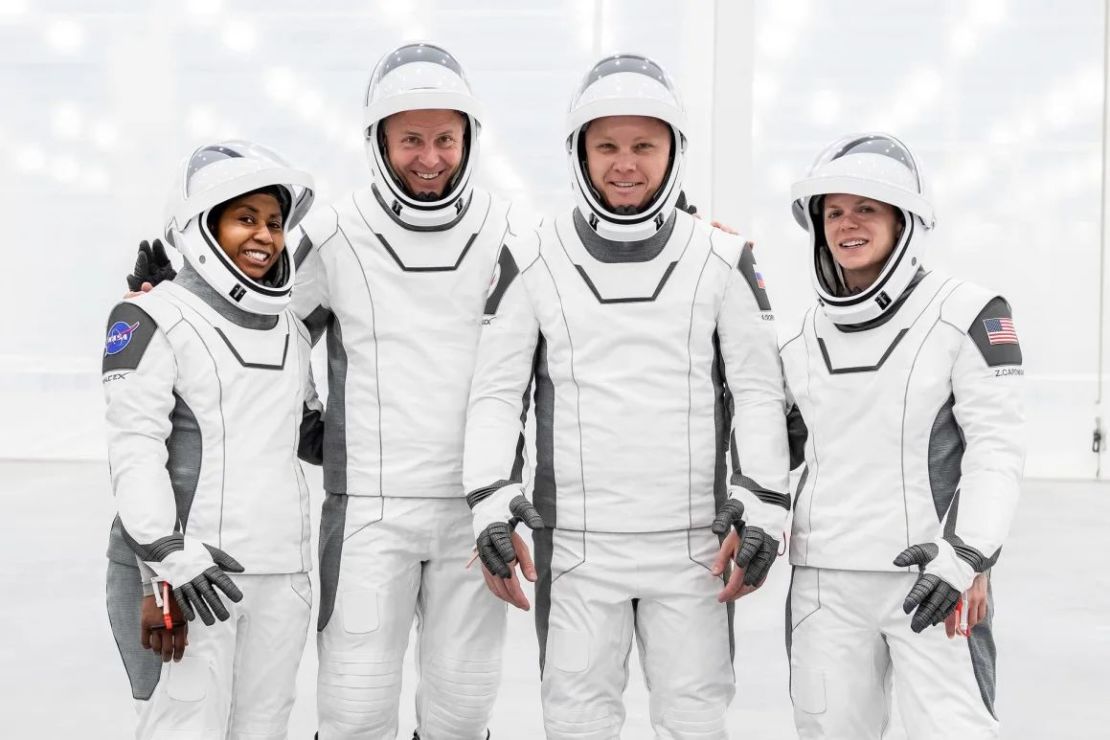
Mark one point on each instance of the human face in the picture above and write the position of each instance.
(250, 232)
(860, 233)
(627, 159)
(425, 148)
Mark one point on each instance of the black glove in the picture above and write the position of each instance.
(932, 595)
(495, 542)
(152, 265)
(200, 595)
(757, 551)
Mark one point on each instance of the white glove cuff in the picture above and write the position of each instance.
(768, 517)
(495, 507)
(950, 567)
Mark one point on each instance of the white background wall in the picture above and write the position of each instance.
(1002, 99)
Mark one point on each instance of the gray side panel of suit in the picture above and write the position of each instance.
(183, 463)
(722, 422)
(335, 415)
(946, 455)
(123, 597)
(333, 517)
(544, 493)
(123, 587)
(946, 452)
(984, 656)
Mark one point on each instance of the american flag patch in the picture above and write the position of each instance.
(759, 281)
(1000, 331)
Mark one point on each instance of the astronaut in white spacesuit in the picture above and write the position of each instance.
(650, 341)
(207, 384)
(396, 273)
(909, 382)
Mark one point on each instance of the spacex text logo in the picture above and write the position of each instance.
(119, 336)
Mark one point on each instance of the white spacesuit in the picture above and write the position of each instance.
(207, 384)
(910, 390)
(642, 332)
(398, 283)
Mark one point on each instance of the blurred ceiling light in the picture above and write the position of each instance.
(104, 136)
(95, 179)
(12, 8)
(203, 7)
(971, 172)
(764, 88)
(789, 12)
(584, 11)
(825, 107)
(66, 121)
(926, 83)
(962, 41)
(239, 35)
(1001, 135)
(777, 43)
(1090, 86)
(780, 176)
(65, 36)
(279, 83)
(986, 12)
(309, 104)
(331, 127)
(201, 122)
(64, 169)
(30, 158)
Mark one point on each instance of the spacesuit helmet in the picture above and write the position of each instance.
(212, 176)
(625, 85)
(876, 166)
(420, 76)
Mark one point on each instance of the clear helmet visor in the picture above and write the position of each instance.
(876, 166)
(411, 54)
(214, 171)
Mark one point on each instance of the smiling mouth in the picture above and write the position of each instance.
(852, 243)
(427, 176)
(625, 185)
(257, 257)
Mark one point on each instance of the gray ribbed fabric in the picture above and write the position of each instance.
(335, 415)
(183, 464)
(333, 518)
(543, 487)
(604, 250)
(983, 655)
(124, 595)
(946, 453)
(191, 280)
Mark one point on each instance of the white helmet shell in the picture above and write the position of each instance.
(420, 77)
(625, 85)
(213, 175)
(877, 166)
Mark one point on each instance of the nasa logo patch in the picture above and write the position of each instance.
(119, 336)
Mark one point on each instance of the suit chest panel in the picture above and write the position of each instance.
(659, 323)
(877, 382)
(247, 380)
(379, 298)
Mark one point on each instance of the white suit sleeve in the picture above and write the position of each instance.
(493, 456)
(753, 372)
(310, 289)
(139, 370)
(987, 382)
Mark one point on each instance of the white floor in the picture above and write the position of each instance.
(61, 676)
